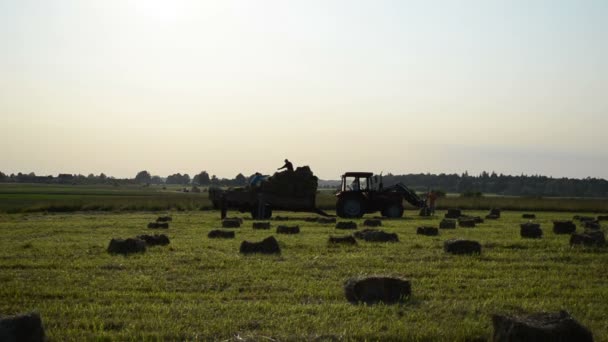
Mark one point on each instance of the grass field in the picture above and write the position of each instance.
(24, 198)
(202, 289)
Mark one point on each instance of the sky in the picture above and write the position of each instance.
(119, 86)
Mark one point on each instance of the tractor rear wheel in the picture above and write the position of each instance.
(349, 208)
(393, 211)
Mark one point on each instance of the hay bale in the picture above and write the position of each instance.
(591, 225)
(495, 212)
(558, 326)
(348, 240)
(261, 225)
(346, 225)
(374, 235)
(311, 219)
(326, 220)
(466, 222)
(158, 225)
(221, 234)
(128, 246)
(492, 217)
(231, 223)
(25, 327)
(267, 246)
(428, 231)
(585, 218)
(447, 224)
(288, 230)
(453, 213)
(595, 238)
(281, 218)
(372, 223)
(461, 246)
(564, 227)
(425, 212)
(155, 240)
(602, 218)
(529, 216)
(377, 289)
(530, 230)
(298, 183)
(164, 219)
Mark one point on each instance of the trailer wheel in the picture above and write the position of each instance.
(349, 208)
(393, 211)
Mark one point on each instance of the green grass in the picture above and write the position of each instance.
(202, 289)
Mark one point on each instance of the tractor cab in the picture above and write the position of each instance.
(358, 181)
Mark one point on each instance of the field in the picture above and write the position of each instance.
(24, 198)
(202, 289)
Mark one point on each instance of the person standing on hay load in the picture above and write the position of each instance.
(288, 166)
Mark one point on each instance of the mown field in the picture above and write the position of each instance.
(24, 198)
(202, 289)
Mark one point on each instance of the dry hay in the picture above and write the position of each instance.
(221, 234)
(558, 326)
(288, 229)
(155, 240)
(428, 231)
(25, 327)
(326, 220)
(530, 230)
(377, 289)
(461, 246)
(261, 225)
(231, 223)
(453, 213)
(375, 235)
(349, 240)
(346, 225)
(128, 246)
(372, 223)
(447, 224)
(564, 227)
(266, 246)
(590, 238)
(158, 225)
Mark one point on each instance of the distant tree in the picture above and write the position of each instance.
(156, 180)
(3, 177)
(215, 180)
(240, 180)
(102, 177)
(202, 179)
(178, 178)
(143, 177)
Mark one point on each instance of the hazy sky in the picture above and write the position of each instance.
(117, 86)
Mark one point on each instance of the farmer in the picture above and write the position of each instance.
(288, 166)
(431, 199)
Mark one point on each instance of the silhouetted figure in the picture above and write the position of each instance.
(288, 166)
(431, 199)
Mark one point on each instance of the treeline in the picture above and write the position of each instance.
(142, 177)
(492, 183)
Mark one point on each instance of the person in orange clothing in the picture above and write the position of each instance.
(431, 198)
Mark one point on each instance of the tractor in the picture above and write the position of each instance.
(363, 193)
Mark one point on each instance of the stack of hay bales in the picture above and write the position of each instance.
(299, 183)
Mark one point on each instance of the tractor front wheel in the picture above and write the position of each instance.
(393, 211)
(349, 208)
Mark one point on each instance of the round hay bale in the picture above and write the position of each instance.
(128, 246)
(158, 225)
(155, 240)
(530, 230)
(453, 213)
(466, 222)
(270, 245)
(377, 289)
(595, 238)
(25, 327)
(288, 229)
(221, 234)
(374, 235)
(164, 219)
(372, 223)
(564, 227)
(461, 246)
(231, 223)
(346, 225)
(591, 225)
(447, 224)
(529, 216)
(326, 220)
(428, 231)
(347, 240)
(261, 225)
(558, 326)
